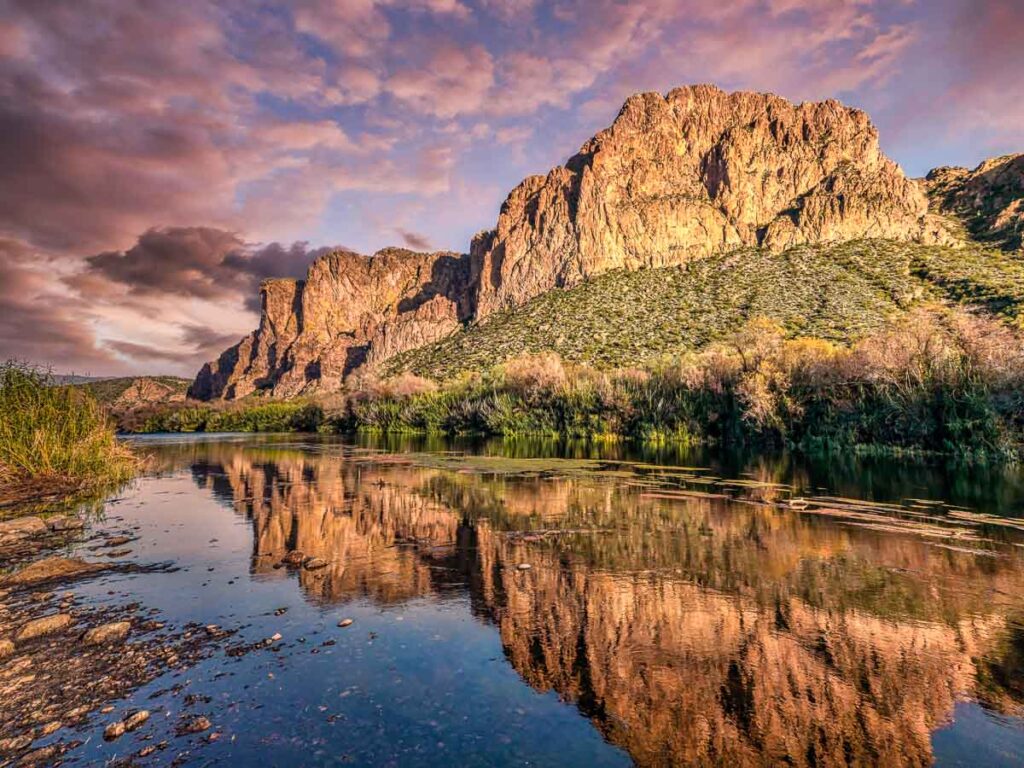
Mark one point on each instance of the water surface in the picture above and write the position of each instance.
(539, 604)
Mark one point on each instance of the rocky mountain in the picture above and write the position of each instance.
(695, 172)
(350, 310)
(131, 392)
(675, 179)
(989, 200)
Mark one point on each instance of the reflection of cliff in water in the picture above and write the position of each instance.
(691, 631)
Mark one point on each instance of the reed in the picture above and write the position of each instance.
(55, 441)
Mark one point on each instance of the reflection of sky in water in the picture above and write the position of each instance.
(673, 628)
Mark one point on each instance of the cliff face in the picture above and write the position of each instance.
(675, 178)
(988, 200)
(682, 176)
(349, 309)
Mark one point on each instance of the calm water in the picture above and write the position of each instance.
(678, 608)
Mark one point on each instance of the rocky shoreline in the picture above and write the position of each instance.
(67, 665)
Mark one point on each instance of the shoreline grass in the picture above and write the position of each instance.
(56, 443)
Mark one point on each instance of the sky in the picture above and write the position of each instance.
(158, 158)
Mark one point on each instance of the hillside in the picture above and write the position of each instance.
(128, 392)
(624, 319)
(987, 201)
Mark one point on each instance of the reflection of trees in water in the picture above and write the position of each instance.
(689, 631)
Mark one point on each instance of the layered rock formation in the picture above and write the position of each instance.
(350, 308)
(675, 178)
(989, 200)
(681, 176)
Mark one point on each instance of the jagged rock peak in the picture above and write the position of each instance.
(350, 308)
(989, 200)
(696, 171)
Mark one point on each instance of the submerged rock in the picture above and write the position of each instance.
(194, 725)
(295, 557)
(52, 569)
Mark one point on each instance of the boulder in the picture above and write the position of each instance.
(114, 632)
(52, 569)
(45, 625)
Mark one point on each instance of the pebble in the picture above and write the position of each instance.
(345, 623)
(114, 731)
(314, 564)
(275, 637)
(6, 648)
(524, 566)
(49, 728)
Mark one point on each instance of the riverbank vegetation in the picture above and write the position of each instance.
(937, 379)
(55, 442)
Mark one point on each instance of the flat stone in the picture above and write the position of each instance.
(22, 527)
(69, 523)
(195, 725)
(45, 625)
(136, 719)
(345, 623)
(114, 632)
(114, 731)
(51, 569)
(15, 743)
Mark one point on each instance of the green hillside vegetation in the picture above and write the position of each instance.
(837, 293)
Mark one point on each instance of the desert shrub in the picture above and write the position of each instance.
(533, 375)
(937, 379)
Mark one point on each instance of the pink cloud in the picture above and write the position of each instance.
(451, 80)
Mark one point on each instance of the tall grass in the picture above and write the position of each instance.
(55, 440)
(939, 379)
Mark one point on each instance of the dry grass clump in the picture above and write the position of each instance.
(55, 440)
(531, 374)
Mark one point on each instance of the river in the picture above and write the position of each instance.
(533, 603)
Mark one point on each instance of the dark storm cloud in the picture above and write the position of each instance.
(194, 262)
(415, 241)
